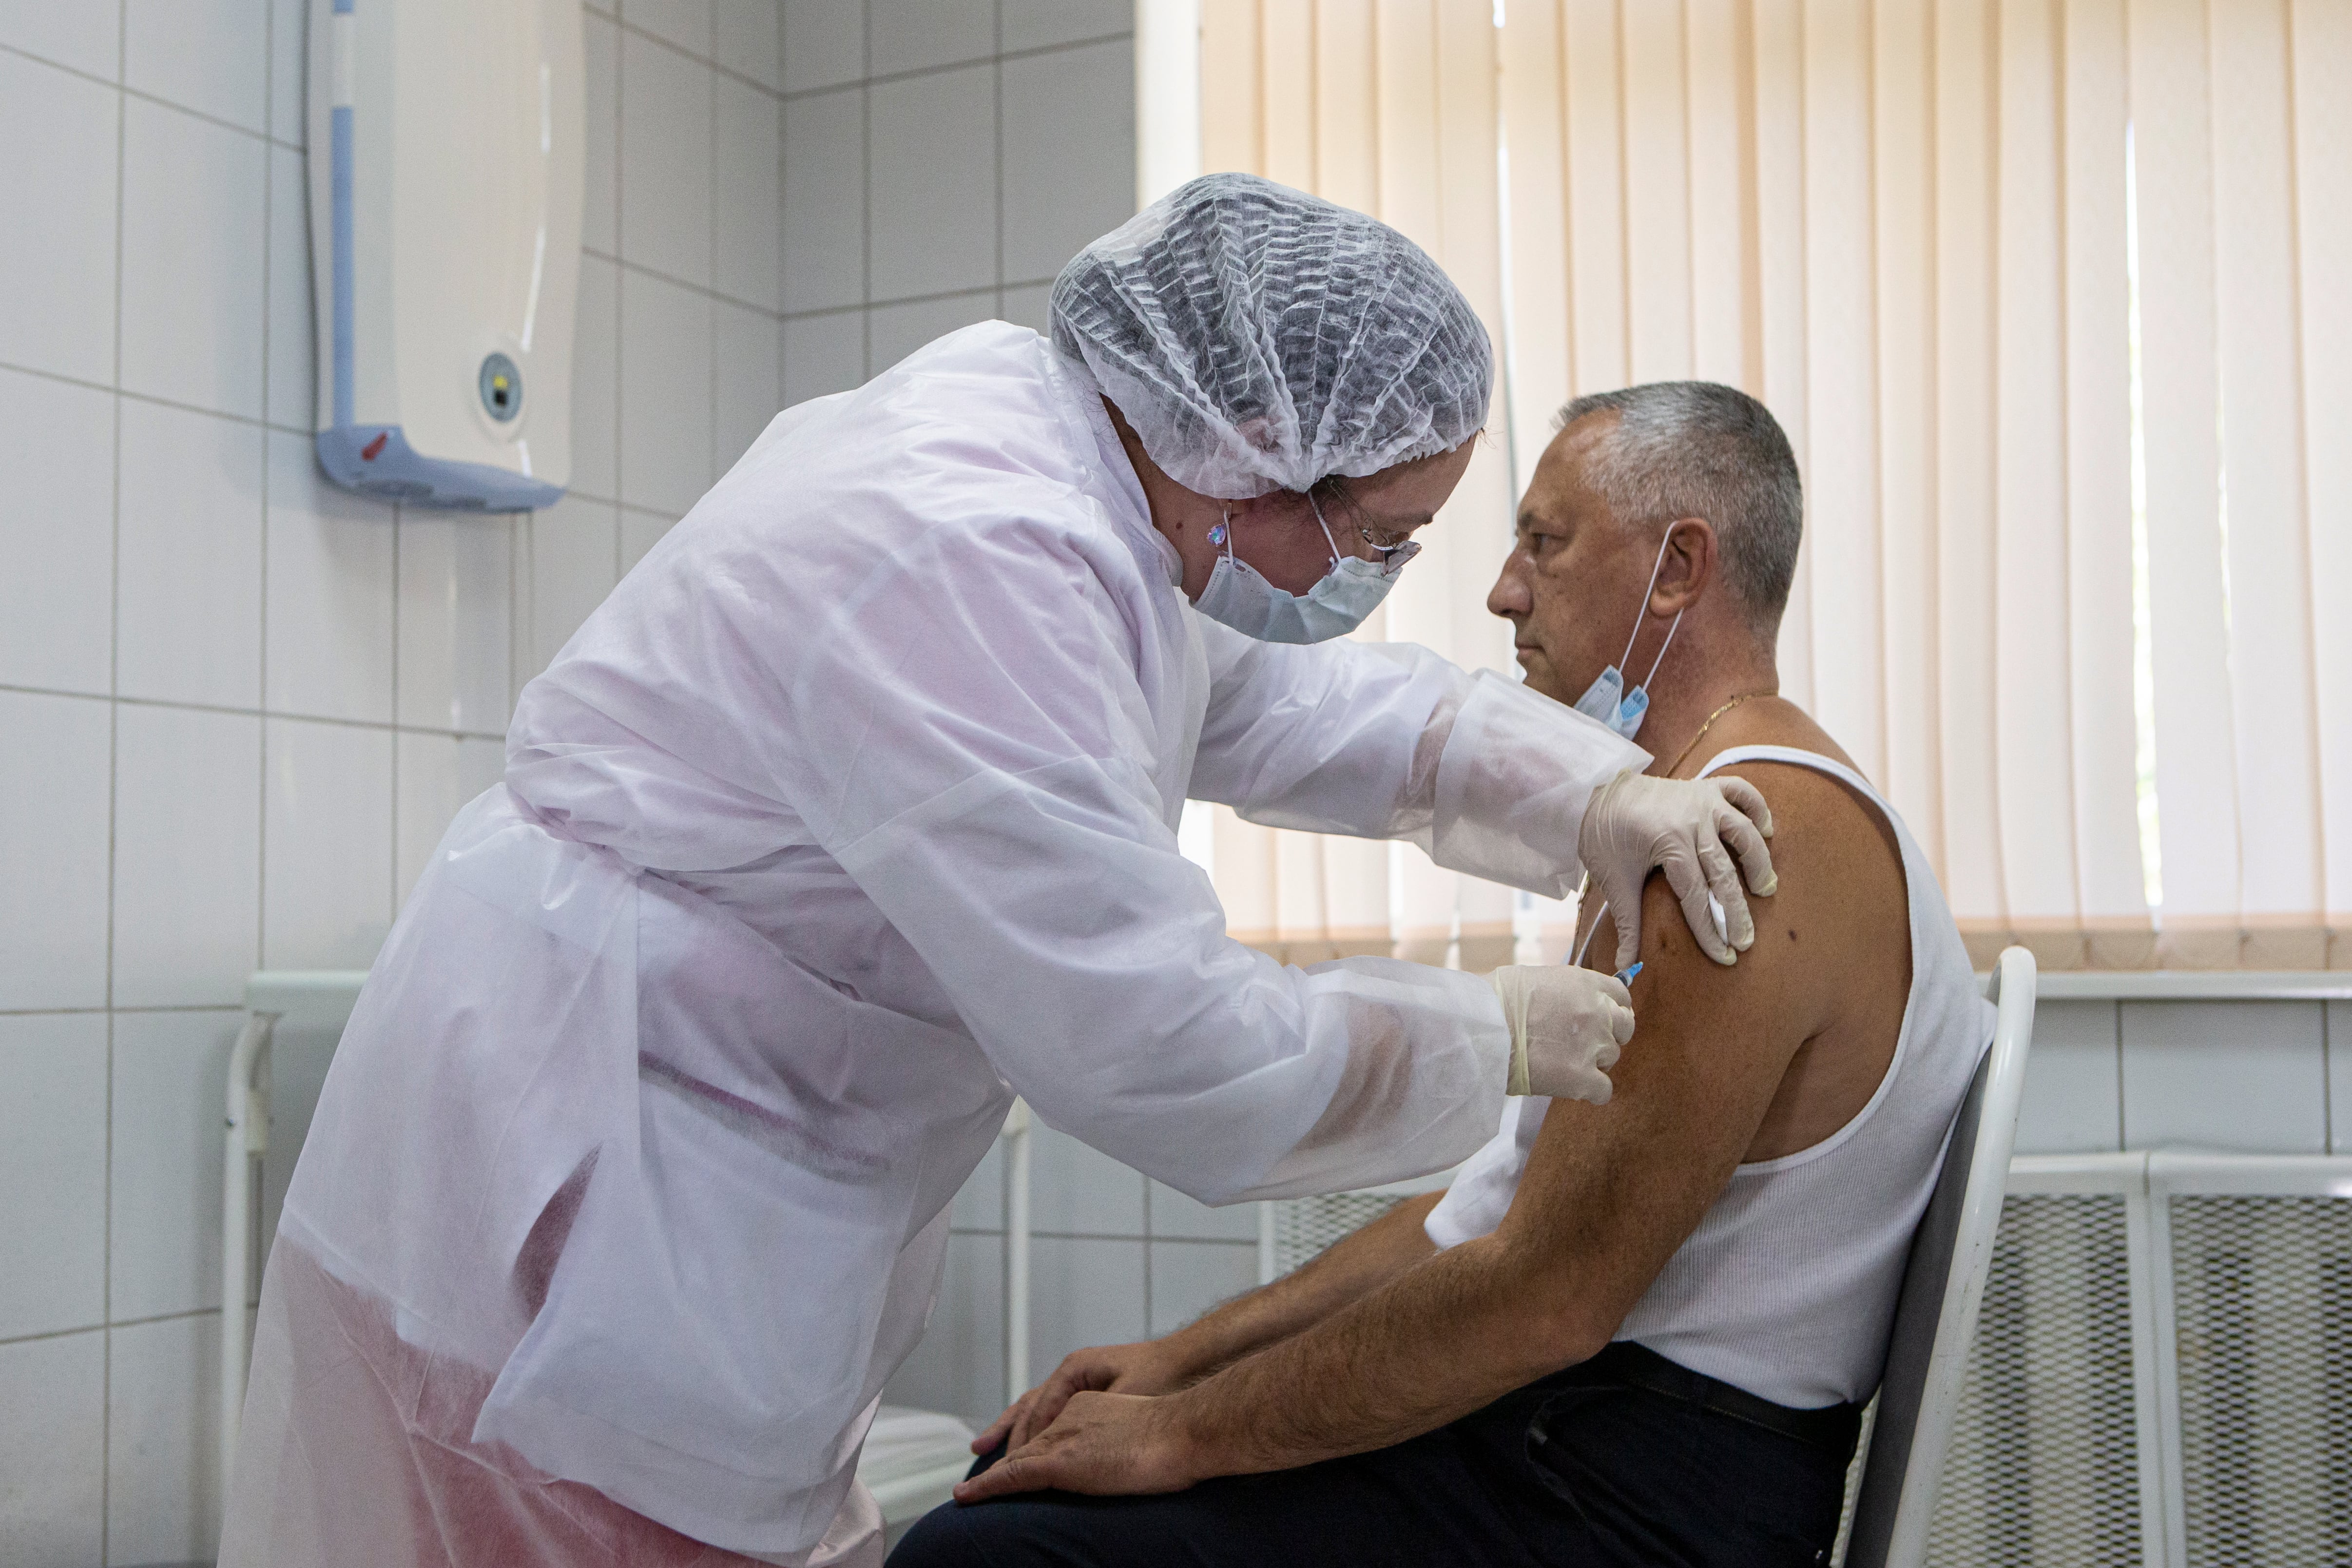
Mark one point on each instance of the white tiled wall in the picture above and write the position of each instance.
(2073, 1080)
(1114, 1258)
(942, 159)
(238, 706)
(2227, 1075)
(2257, 1077)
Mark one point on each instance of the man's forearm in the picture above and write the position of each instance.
(1354, 1267)
(1442, 1340)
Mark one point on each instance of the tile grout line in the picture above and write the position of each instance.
(916, 73)
(174, 705)
(1004, 1257)
(399, 528)
(139, 1009)
(522, 604)
(710, 62)
(818, 312)
(620, 315)
(989, 294)
(781, 270)
(105, 1327)
(710, 389)
(1148, 1315)
(261, 800)
(2116, 1015)
(44, 1334)
(128, 91)
(996, 132)
(155, 400)
(864, 192)
(113, 750)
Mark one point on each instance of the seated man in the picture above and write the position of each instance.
(1637, 1334)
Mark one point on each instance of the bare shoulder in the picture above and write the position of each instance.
(1847, 860)
(1840, 888)
(1825, 982)
(1837, 859)
(1838, 931)
(1842, 850)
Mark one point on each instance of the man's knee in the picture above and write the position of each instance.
(935, 1542)
(1004, 1535)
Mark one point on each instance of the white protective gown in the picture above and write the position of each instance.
(849, 815)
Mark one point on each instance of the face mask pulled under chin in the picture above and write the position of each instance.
(1352, 589)
(1606, 699)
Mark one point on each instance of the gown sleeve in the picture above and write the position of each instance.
(964, 730)
(1389, 740)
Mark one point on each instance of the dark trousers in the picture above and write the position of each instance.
(1625, 1460)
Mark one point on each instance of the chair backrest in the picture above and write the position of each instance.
(1942, 1285)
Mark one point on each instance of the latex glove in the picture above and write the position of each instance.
(1679, 825)
(1566, 1026)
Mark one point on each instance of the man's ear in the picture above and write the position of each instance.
(1687, 570)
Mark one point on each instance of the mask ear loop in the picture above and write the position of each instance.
(1327, 528)
(1636, 636)
(1662, 651)
(1595, 927)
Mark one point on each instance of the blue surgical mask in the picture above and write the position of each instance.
(1239, 597)
(1606, 699)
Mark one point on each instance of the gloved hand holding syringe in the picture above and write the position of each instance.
(1567, 1027)
(1568, 1024)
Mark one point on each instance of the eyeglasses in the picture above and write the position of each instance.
(1395, 550)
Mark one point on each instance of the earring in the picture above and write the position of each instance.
(1218, 529)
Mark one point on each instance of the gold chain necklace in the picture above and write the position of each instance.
(1584, 883)
(1677, 765)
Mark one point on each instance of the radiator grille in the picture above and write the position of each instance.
(2044, 1466)
(1305, 1227)
(2262, 1293)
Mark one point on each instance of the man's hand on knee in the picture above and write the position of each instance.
(1148, 1367)
(1105, 1444)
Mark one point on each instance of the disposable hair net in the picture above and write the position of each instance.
(1258, 339)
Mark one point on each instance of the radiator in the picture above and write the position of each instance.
(2162, 1374)
(2049, 1460)
(2163, 1370)
(1292, 1230)
(1295, 1229)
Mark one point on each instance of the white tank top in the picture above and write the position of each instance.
(1787, 1288)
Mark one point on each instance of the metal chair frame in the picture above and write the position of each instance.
(1943, 1289)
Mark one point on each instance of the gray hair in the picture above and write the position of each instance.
(1697, 448)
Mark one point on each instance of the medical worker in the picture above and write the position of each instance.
(850, 815)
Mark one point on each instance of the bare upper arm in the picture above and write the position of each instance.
(1611, 1192)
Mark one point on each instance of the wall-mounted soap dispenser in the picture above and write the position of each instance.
(446, 177)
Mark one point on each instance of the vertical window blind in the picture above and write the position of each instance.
(2054, 299)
